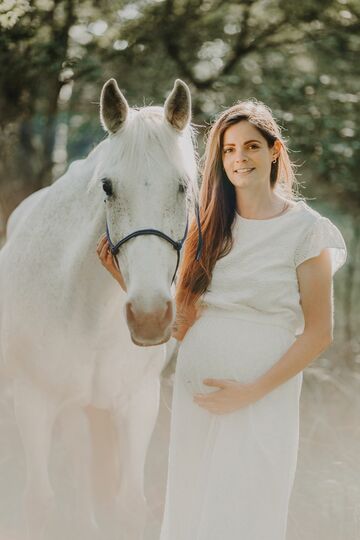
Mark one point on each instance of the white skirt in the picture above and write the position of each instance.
(230, 476)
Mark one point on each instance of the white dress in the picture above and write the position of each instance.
(230, 476)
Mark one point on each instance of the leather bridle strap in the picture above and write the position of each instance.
(177, 245)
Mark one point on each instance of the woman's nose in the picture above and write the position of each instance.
(241, 156)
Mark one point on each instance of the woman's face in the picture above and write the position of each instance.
(246, 156)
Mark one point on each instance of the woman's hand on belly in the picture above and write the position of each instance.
(231, 396)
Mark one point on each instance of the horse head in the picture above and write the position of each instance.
(148, 177)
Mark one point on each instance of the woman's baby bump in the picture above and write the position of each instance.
(229, 348)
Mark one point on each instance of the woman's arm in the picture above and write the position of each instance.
(316, 297)
(108, 260)
(315, 285)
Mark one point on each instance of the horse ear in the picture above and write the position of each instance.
(113, 107)
(178, 106)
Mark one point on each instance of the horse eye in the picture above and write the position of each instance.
(181, 188)
(107, 186)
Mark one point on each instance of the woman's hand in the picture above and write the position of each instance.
(108, 260)
(231, 396)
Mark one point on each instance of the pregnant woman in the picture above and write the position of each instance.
(251, 315)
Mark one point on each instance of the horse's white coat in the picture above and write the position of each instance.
(63, 335)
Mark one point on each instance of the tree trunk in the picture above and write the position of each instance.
(26, 163)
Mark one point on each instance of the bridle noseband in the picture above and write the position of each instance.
(176, 244)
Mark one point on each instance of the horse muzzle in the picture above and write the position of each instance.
(152, 327)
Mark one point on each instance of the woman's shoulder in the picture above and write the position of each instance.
(307, 218)
(308, 221)
(316, 232)
(305, 212)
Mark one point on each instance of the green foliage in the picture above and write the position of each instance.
(297, 57)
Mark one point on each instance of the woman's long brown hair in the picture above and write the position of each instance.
(217, 206)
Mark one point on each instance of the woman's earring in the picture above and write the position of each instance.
(275, 160)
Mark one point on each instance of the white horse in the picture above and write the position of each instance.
(67, 330)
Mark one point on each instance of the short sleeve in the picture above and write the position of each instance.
(322, 234)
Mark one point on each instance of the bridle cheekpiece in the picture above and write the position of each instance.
(177, 244)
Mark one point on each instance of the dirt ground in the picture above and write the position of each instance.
(326, 498)
(325, 502)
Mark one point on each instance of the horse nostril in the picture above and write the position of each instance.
(169, 311)
(129, 313)
(162, 316)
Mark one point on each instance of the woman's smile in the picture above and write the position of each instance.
(242, 170)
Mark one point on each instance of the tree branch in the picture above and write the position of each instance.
(240, 49)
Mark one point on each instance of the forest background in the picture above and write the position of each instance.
(299, 57)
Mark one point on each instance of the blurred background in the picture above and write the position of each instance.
(302, 60)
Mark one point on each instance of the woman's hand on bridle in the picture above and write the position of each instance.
(108, 260)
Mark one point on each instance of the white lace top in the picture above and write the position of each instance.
(257, 280)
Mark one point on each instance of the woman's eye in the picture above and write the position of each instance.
(227, 150)
(253, 146)
(107, 186)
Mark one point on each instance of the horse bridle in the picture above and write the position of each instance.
(177, 245)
